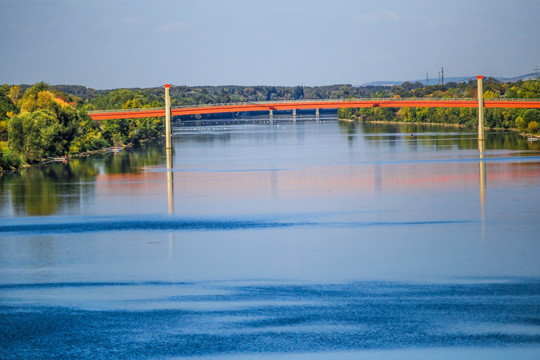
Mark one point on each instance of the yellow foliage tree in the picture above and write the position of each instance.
(489, 94)
(15, 93)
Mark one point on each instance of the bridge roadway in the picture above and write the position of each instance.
(311, 104)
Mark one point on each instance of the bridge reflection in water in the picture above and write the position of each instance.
(482, 167)
(170, 181)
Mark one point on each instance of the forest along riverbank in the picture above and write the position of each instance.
(56, 122)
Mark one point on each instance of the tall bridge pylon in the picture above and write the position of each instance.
(168, 132)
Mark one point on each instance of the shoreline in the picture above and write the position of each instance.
(77, 155)
(525, 135)
(389, 122)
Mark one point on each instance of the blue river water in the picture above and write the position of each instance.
(291, 240)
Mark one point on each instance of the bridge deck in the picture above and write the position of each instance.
(311, 104)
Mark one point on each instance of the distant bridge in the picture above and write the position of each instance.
(271, 106)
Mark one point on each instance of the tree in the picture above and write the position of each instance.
(533, 127)
(489, 94)
(520, 123)
(7, 109)
(116, 131)
(15, 93)
(298, 92)
(6, 104)
(531, 115)
(34, 135)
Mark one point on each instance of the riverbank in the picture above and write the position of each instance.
(406, 123)
(87, 153)
(460, 126)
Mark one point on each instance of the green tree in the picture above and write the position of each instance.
(531, 115)
(520, 123)
(533, 127)
(116, 131)
(34, 135)
(7, 109)
(345, 113)
(9, 161)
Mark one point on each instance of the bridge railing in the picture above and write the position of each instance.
(318, 101)
(510, 100)
(125, 110)
(314, 101)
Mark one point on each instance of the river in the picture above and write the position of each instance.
(293, 240)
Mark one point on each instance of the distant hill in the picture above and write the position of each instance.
(517, 78)
(430, 81)
(433, 81)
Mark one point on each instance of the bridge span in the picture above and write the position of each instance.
(312, 104)
(169, 111)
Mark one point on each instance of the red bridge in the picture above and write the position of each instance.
(312, 104)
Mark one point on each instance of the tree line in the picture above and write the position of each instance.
(39, 121)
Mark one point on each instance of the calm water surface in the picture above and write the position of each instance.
(297, 240)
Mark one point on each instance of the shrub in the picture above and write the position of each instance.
(9, 161)
(533, 127)
(98, 143)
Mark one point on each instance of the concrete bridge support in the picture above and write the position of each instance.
(294, 115)
(271, 115)
(317, 114)
(168, 132)
(480, 109)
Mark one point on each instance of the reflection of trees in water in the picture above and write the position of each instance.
(48, 189)
(349, 128)
(4, 192)
(382, 132)
(205, 137)
(510, 141)
(435, 137)
(131, 161)
(42, 190)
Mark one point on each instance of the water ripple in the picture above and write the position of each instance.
(201, 319)
(168, 223)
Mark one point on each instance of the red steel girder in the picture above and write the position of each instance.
(447, 103)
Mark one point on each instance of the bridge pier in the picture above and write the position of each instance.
(271, 115)
(317, 114)
(294, 115)
(481, 136)
(168, 131)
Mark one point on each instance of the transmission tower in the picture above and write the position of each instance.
(442, 75)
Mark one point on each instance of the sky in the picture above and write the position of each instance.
(106, 44)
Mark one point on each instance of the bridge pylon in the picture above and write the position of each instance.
(481, 136)
(168, 131)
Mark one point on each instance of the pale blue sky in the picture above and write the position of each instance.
(130, 43)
